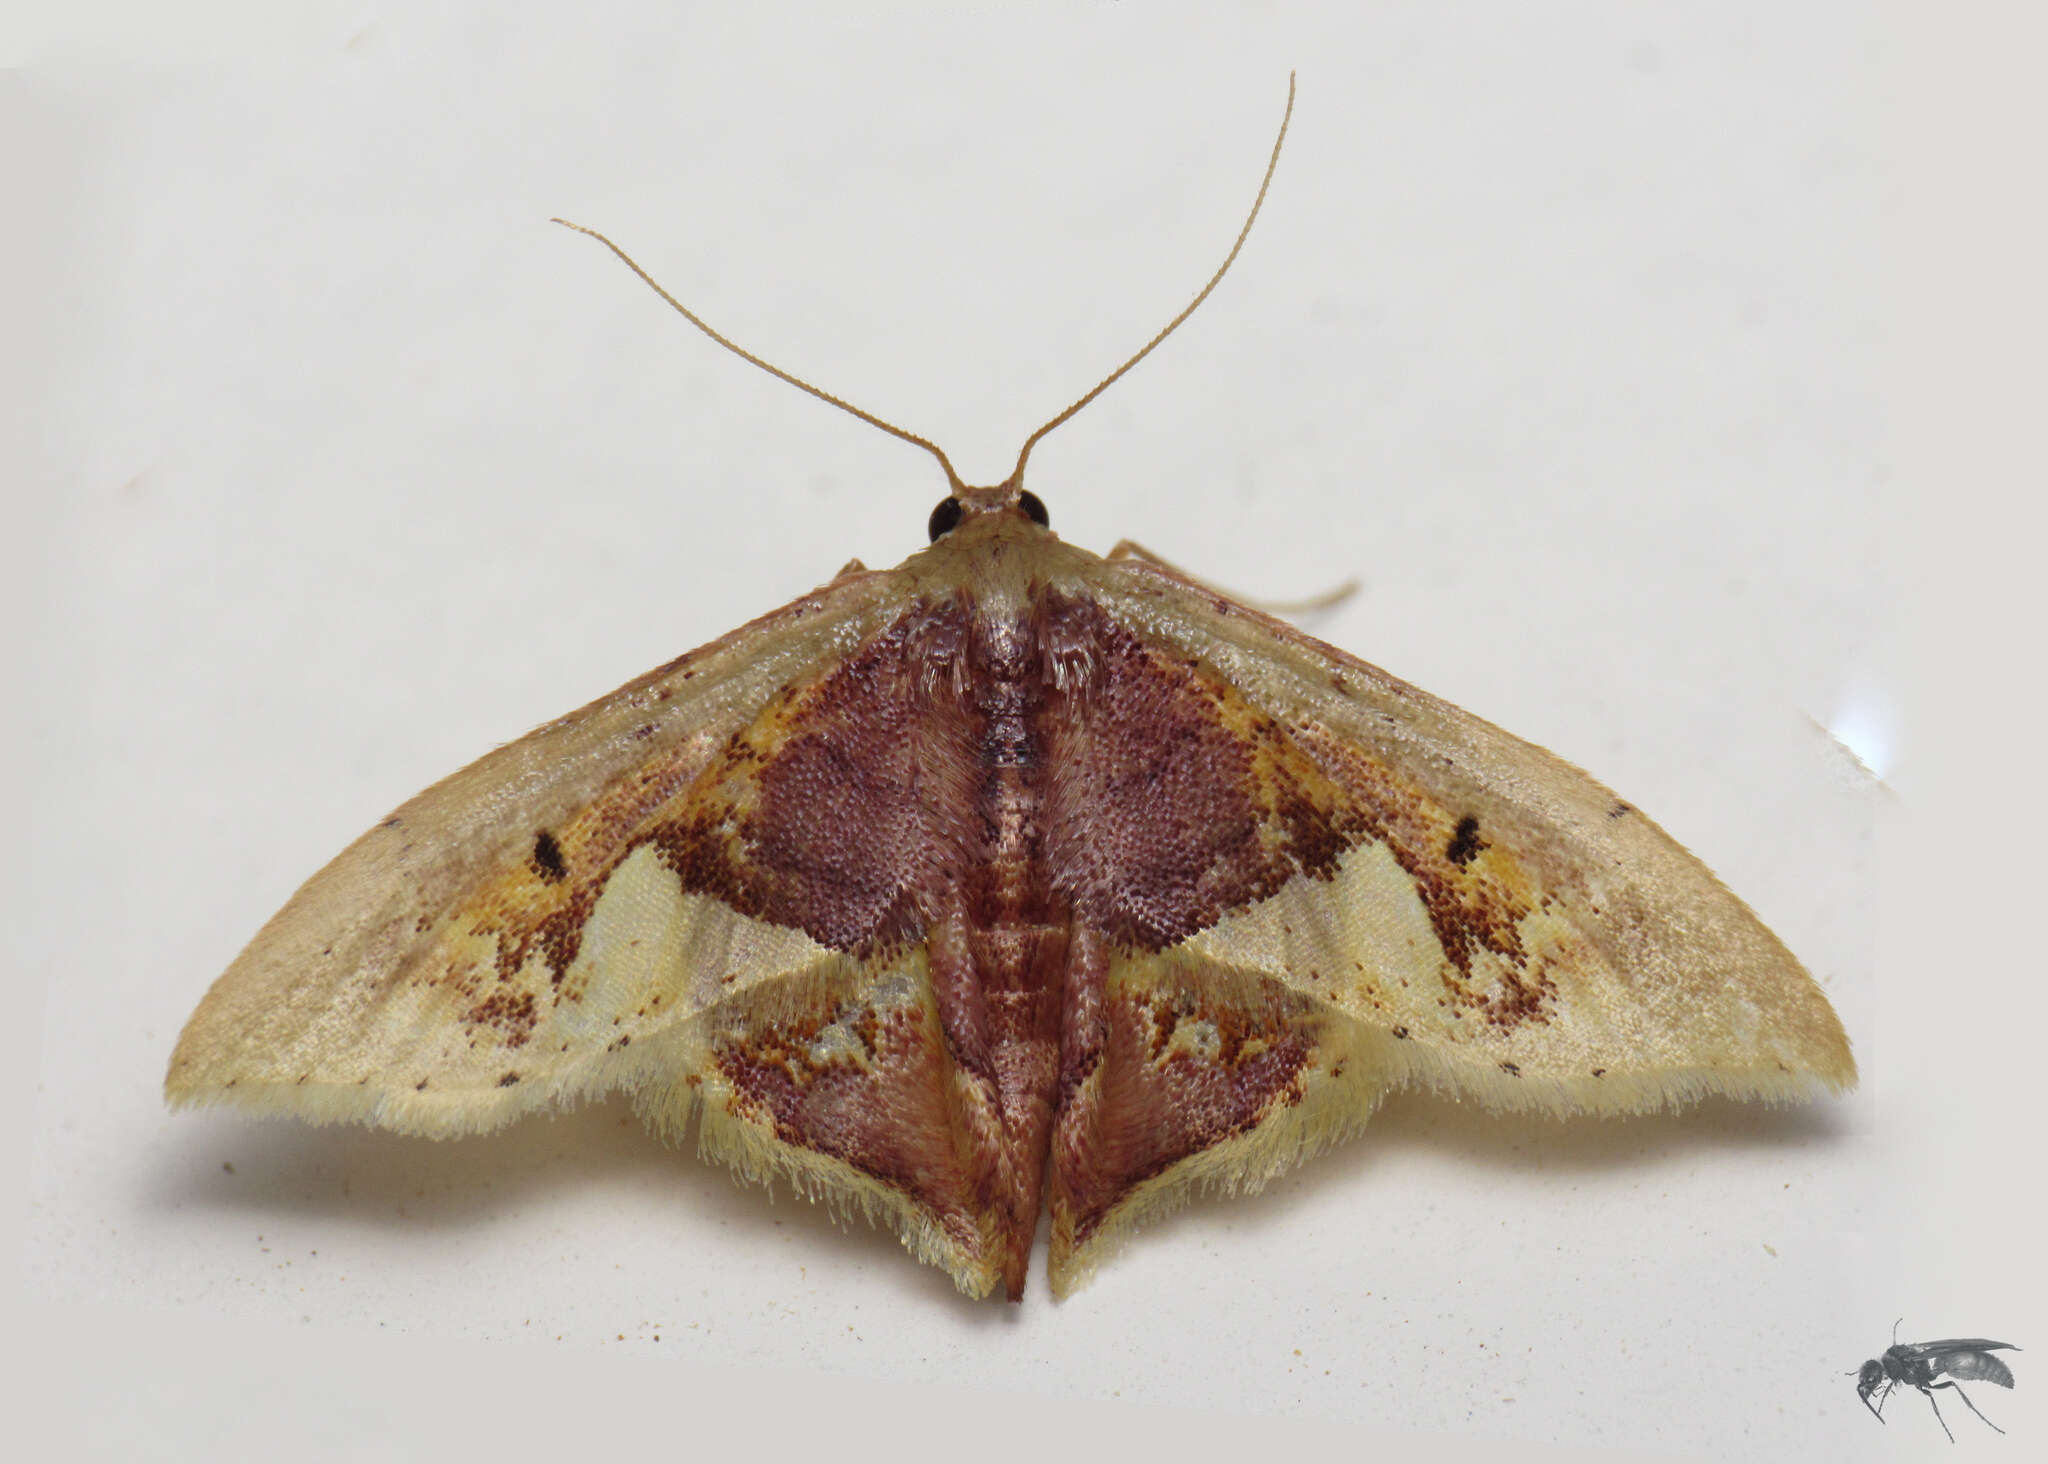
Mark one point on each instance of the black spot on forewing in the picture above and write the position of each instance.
(547, 858)
(1465, 842)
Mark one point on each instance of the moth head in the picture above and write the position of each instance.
(966, 503)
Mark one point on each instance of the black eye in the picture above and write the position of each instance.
(945, 519)
(1034, 508)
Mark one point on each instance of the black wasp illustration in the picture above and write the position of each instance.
(1948, 1363)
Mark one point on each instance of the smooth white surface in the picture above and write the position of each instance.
(1561, 331)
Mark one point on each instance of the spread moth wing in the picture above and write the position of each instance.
(501, 943)
(700, 890)
(1467, 913)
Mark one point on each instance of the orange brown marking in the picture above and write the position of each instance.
(1476, 893)
(512, 1014)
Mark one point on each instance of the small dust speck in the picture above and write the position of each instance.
(1771, 1251)
(226, 1168)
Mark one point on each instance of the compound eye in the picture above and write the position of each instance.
(945, 519)
(1034, 508)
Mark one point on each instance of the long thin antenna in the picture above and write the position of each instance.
(773, 370)
(1016, 478)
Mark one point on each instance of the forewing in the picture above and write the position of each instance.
(1925, 1350)
(1498, 923)
(508, 939)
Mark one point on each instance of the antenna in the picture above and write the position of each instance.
(773, 370)
(1016, 478)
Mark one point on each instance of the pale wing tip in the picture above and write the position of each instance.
(181, 1088)
(1827, 1058)
(1839, 1075)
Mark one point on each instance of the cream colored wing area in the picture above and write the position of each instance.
(1539, 941)
(347, 1000)
(423, 1054)
(1564, 1028)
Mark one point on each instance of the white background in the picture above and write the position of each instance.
(1569, 330)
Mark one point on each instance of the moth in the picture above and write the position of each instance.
(1918, 1364)
(1013, 879)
